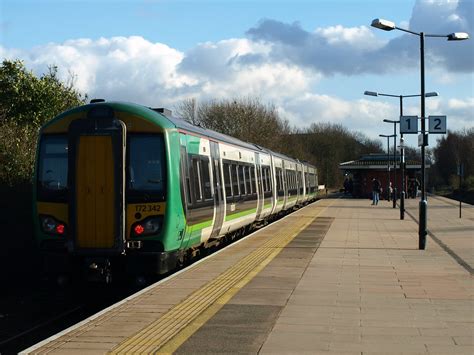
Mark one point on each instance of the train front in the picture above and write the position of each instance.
(104, 182)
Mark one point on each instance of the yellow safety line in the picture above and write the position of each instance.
(180, 322)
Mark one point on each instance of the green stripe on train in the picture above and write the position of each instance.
(240, 214)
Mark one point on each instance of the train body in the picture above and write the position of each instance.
(120, 185)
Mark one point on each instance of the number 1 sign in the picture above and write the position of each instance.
(408, 124)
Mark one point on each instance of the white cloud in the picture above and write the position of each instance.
(279, 63)
(359, 38)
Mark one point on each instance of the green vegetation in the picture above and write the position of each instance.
(454, 149)
(26, 102)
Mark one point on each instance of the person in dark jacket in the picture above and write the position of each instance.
(375, 191)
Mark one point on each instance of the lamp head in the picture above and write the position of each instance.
(458, 36)
(383, 24)
(371, 93)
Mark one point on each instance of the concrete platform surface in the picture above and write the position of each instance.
(340, 276)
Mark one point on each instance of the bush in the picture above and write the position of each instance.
(17, 152)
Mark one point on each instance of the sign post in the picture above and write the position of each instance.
(461, 174)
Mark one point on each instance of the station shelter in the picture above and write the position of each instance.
(384, 168)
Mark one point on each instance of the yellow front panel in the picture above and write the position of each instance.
(95, 217)
(57, 210)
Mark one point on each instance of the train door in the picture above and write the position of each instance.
(96, 179)
(185, 189)
(219, 203)
(260, 197)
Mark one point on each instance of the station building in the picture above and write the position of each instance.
(384, 168)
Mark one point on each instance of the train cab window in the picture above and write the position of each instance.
(53, 168)
(146, 166)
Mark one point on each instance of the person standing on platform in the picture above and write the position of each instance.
(375, 191)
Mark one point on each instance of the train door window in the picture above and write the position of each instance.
(241, 180)
(197, 179)
(227, 180)
(206, 179)
(53, 167)
(253, 179)
(264, 178)
(300, 182)
(185, 179)
(248, 182)
(269, 179)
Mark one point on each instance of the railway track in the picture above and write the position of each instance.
(30, 314)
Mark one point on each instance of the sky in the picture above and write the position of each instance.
(312, 60)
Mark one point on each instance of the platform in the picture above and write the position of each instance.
(338, 276)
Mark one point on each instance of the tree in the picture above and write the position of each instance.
(452, 150)
(246, 119)
(27, 102)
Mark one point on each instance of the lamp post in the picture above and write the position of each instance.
(456, 36)
(388, 160)
(394, 195)
(402, 148)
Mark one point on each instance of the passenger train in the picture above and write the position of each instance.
(120, 186)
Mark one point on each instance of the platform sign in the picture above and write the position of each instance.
(408, 124)
(437, 124)
(422, 140)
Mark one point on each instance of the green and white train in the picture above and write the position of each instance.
(126, 187)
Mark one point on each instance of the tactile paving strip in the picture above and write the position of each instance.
(152, 338)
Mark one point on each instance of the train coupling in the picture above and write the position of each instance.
(99, 270)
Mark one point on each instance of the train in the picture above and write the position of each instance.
(121, 187)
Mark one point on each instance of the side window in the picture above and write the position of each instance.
(235, 180)
(241, 180)
(227, 180)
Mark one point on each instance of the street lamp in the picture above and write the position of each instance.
(402, 148)
(456, 36)
(388, 160)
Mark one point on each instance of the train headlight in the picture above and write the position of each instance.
(50, 225)
(149, 226)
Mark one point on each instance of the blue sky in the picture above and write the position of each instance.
(311, 59)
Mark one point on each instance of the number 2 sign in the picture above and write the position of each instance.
(437, 124)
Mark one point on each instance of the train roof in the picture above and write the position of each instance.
(158, 115)
(189, 127)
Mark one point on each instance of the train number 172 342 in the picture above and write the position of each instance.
(148, 208)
